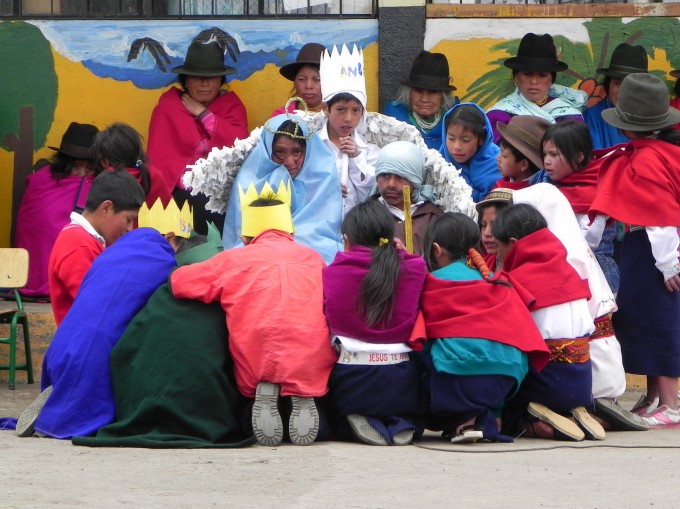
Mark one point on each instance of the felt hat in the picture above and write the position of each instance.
(642, 105)
(675, 74)
(536, 53)
(430, 71)
(309, 54)
(204, 59)
(524, 132)
(77, 141)
(499, 195)
(626, 59)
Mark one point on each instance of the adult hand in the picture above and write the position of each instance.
(348, 146)
(673, 284)
(398, 244)
(192, 105)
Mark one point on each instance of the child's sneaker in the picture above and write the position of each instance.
(644, 406)
(663, 417)
(303, 427)
(266, 419)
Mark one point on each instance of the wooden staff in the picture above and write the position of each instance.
(408, 222)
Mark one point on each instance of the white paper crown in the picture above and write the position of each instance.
(342, 71)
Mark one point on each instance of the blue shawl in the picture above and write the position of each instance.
(481, 171)
(316, 201)
(76, 363)
(602, 134)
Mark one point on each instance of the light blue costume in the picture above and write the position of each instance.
(602, 134)
(316, 201)
(481, 171)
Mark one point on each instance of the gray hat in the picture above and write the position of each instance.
(642, 105)
(626, 59)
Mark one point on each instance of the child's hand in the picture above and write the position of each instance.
(343, 188)
(347, 146)
(398, 244)
(673, 284)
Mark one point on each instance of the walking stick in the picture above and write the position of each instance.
(408, 223)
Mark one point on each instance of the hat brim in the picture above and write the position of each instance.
(480, 206)
(609, 115)
(618, 73)
(74, 151)
(534, 64)
(289, 71)
(529, 152)
(429, 86)
(205, 73)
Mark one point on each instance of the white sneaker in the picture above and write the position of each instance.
(663, 417)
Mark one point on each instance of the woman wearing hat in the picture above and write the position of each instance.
(425, 96)
(188, 122)
(304, 73)
(534, 70)
(626, 59)
(639, 185)
(58, 188)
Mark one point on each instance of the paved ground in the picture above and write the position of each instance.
(627, 470)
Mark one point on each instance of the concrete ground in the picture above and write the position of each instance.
(627, 470)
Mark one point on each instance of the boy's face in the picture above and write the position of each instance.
(112, 225)
(509, 166)
(343, 118)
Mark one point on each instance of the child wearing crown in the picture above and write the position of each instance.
(343, 91)
(272, 294)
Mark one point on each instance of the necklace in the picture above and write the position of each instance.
(542, 101)
(424, 124)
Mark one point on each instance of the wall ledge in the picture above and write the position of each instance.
(602, 10)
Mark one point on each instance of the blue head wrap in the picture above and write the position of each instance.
(406, 160)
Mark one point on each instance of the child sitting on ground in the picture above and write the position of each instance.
(468, 144)
(271, 291)
(371, 294)
(111, 210)
(475, 359)
(343, 90)
(520, 159)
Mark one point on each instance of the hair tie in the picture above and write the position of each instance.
(139, 163)
(383, 242)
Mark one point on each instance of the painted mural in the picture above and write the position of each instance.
(100, 72)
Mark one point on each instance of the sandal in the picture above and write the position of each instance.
(563, 428)
(592, 429)
(467, 435)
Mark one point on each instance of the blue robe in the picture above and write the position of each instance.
(76, 364)
(433, 137)
(602, 134)
(316, 201)
(481, 171)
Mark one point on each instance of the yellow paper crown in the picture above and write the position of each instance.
(255, 220)
(169, 219)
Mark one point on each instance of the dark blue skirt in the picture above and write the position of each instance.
(647, 323)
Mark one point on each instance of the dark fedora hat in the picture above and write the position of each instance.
(642, 105)
(626, 59)
(524, 132)
(309, 54)
(204, 59)
(77, 141)
(430, 71)
(536, 53)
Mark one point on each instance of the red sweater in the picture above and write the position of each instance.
(72, 255)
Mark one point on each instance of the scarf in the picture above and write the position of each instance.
(566, 101)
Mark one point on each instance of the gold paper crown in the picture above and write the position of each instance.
(255, 220)
(169, 219)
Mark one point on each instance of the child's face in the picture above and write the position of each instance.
(508, 165)
(114, 225)
(485, 224)
(343, 118)
(461, 143)
(554, 163)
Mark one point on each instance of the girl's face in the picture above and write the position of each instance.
(503, 250)
(461, 143)
(426, 103)
(488, 240)
(290, 153)
(556, 166)
(533, 85)
(308, 86)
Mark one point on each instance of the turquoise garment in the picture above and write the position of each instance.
(602, 134)
(316, 197)
(473, 356)
(481, 171)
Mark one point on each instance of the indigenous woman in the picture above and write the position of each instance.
(188, 122)
(533, 71)
(425, 96)
(304, 73)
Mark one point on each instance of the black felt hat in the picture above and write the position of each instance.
(309, 54)
(77, 141)
(430, 71)
(204, 59)
(536, 53)
(626, 59)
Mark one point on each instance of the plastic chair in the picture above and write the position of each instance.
(13, 275)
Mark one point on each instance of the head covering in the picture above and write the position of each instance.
(524, 132)
(406, 160)
(204, 59)
(255, 220)
(309, 54)
(481, 171)
(77, 141)
(500, 195)
(642, 105)
(536, 53)
(343, 72)
(430, 71)
(316, 201)
(626, 59)
(167, 219)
